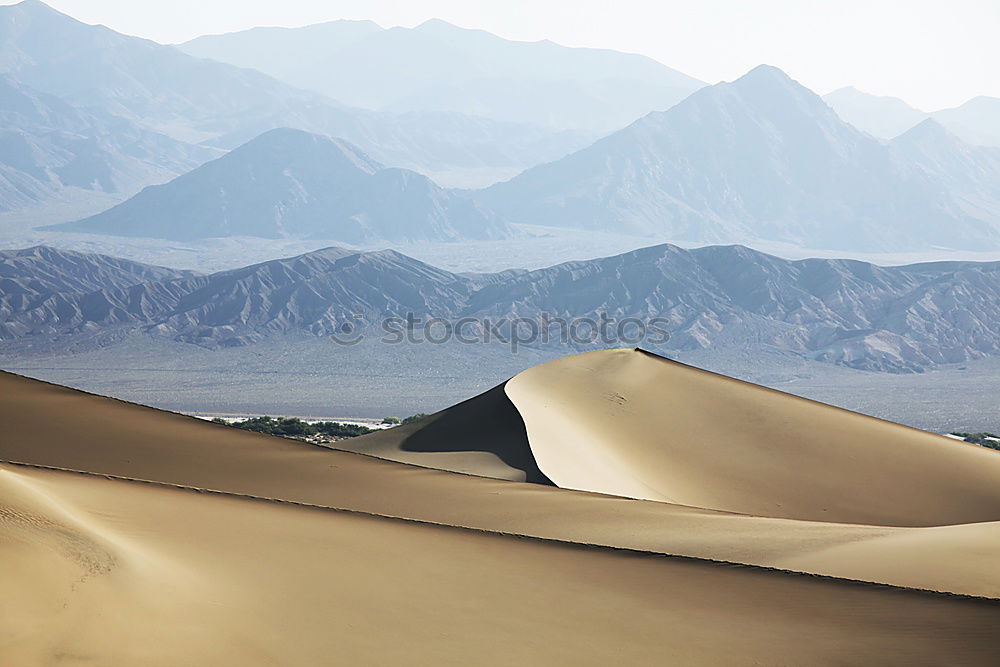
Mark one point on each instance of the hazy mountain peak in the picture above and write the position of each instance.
(761, 157)
(766, 92)
(283, 144)
(765, 72)
(927, 130)
(36, 11)
(769, 87)
(977, 121)
(769, 80)
(436, 24)
(441, 67)
(878, 115)
(36, 6)
(292, 184)
(440, 29)
(982, 101)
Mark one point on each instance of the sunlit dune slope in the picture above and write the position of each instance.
(100, 571)
(630, 423)
(55, 426)
(301, 553)
(634, 424)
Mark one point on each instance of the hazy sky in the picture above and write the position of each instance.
(931, 53)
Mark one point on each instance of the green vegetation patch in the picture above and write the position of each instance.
(990, 440)
(293, 427)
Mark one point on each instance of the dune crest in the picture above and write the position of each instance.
(631, 423)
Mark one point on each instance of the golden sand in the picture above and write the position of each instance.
(702, 512)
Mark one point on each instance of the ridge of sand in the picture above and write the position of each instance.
(102, 568)
(232, 581)
(631, 423)
(990, 531)
(106, 436)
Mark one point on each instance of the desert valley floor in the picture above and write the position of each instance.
(311, 377)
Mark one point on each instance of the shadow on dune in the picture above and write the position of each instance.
(488, 423)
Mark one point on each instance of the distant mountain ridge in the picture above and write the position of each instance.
(48, 145)
(879, 116)
(161, 89)
(970, 174)
(761, 158)
(289, 183)
(438, 66)
(45, 270)
(41, 283)
(758, 159)
(896, 319)
(976, 122)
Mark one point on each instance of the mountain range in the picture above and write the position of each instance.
(764, 158)
(437, 66)
(289, 183)
(880, 116)
(200, 101)
(48, 146)
(761, 158)
(976, 121)
(896, 319)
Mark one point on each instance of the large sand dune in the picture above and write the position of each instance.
(134, 536)
(631, 423)
(634, 424)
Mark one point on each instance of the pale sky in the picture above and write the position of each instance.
(931, 53)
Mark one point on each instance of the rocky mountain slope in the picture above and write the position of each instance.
(44, 270)
(289, 183)
(970, 174)
(47, 146)
(897, 319)
(762, 158)
(318, 292)
(844, 311)
(43, 283)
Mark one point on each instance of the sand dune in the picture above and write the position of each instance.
(182, 578)
(55, 426)
(631, 423)
(379, 562)
(634, 424)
